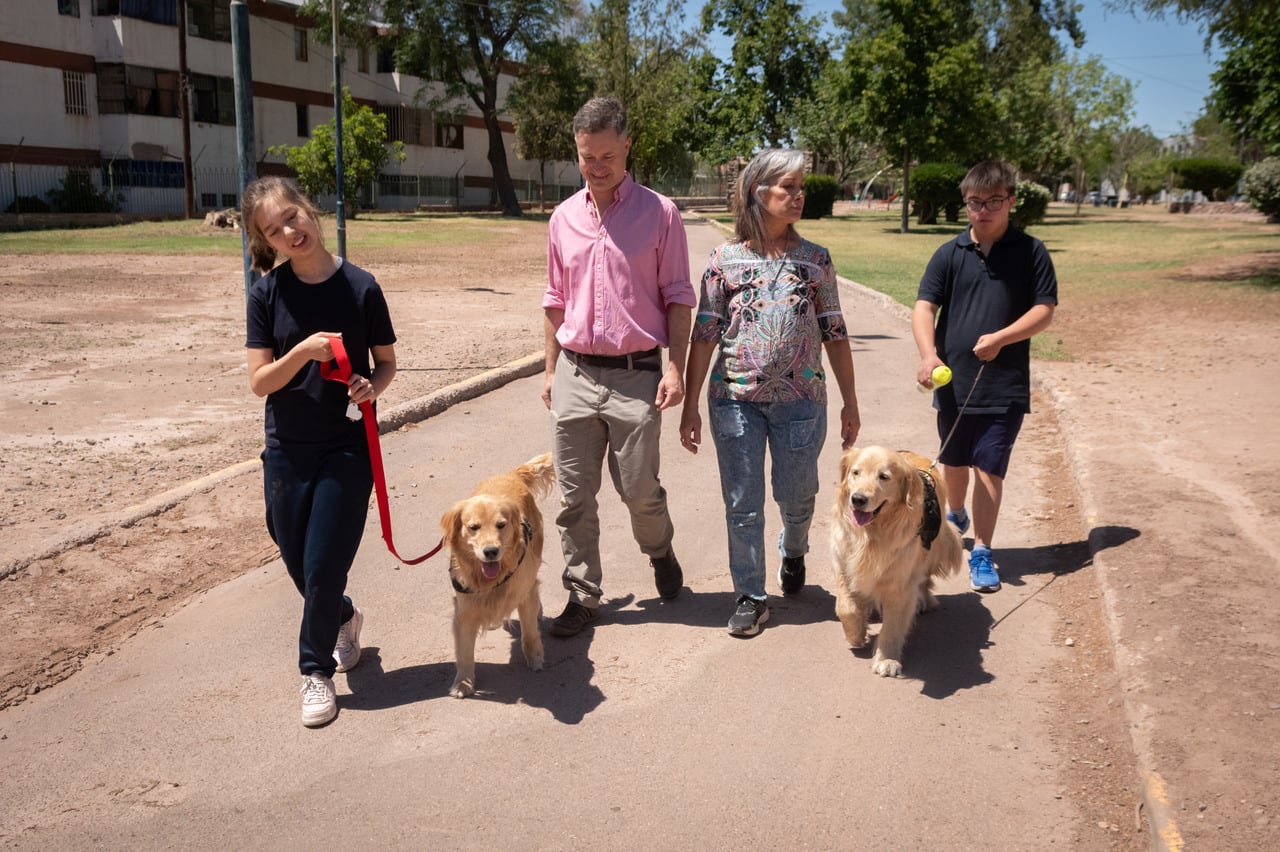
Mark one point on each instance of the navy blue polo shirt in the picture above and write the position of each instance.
(978, 294)
(283, 311)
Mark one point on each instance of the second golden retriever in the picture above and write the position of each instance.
(889, 541)
(495, 545)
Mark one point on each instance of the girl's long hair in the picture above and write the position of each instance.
(261, 254)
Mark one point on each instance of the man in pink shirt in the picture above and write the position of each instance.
(618, 291)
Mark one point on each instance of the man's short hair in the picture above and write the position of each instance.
(597, 114)
(988, 175)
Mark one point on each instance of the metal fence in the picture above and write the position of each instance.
(156, 188)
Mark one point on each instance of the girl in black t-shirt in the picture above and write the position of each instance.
(317, 475)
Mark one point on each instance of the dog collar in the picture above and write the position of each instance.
(931, 512)
(526, 531)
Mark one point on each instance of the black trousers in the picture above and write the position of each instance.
(317, 502)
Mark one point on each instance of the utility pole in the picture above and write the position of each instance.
(184, 113)
(244, 119)
(337, 132)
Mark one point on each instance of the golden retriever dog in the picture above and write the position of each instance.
(495, 549)
(889, 540)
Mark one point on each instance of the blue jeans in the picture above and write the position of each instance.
(794, 433)
(317, 502)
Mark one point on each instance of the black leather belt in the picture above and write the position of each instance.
(647, 360)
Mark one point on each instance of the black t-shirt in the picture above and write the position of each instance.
(978, 295)
(282, 311)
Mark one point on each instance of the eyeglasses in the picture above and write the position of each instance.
(993, 203)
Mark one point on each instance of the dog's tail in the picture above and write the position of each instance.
(538, 473)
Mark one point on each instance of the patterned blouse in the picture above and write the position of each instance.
(770, 317)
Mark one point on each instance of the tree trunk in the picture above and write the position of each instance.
(498, 163)
(906, 188)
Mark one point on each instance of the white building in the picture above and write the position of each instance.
(90, 88)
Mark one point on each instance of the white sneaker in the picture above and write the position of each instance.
(319, 700)
(347, 652)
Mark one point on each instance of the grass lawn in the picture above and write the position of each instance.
(1103, 256)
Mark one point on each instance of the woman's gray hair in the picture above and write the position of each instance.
(762, 172)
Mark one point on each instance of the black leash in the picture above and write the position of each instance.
(947, 439)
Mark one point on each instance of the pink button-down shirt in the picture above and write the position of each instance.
(615, 276)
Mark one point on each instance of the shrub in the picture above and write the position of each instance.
(27, 204)
(1261, 187)
(820, 193)
(935, 187)
(1033, 203)
(78, 195)
(1215, 178)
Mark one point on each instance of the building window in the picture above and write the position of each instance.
(156, 11)
(208, 200)
(406, 124)
(213, 99)
(75, 94)
(69, 7)
(137, 90)
(209, 19)
(229, 200)
(362, 60)
(304, 124)
(448, 133)
(300, 44)
(386, 59)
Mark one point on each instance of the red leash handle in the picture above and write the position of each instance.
(342, 373)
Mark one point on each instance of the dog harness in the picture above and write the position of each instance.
(526, 529)
(930, 513)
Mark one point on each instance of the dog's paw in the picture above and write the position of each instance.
(887, 668)
(534, 661)
(462, 688)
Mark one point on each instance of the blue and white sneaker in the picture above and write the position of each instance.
(982, 572)
(959, 520)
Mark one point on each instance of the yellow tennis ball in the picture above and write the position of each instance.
(941, 375)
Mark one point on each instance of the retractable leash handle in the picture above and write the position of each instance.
(342, 373)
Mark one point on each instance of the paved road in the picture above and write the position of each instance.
(655, 730)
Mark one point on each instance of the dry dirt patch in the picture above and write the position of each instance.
(128, 379)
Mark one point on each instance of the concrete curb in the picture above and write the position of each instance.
(410, 412)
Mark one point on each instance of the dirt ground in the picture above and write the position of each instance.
(127, 380)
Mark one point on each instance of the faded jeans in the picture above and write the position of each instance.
(794, 433)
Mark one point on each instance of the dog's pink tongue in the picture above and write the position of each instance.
(861, 519)
(490, 569)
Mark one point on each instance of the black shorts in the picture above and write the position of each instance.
(984, 441)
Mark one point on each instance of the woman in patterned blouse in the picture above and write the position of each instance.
(771, 305)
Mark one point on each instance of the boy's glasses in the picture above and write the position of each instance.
(993, 203)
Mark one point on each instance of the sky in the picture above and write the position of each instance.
(1164, 59)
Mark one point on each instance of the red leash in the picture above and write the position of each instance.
(341, 374)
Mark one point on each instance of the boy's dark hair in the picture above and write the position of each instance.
(990, 174)
(261, 254)
(597, 114)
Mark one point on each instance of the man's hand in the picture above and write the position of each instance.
(670, 389)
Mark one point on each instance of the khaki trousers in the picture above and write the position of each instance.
(603, 414)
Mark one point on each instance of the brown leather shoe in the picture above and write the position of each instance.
(667, 576)
(573, 619)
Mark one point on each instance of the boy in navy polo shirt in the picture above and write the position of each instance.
(983, 296)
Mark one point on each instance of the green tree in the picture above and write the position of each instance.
(464, 45)
(774, 63)
(638, 52)
(543, 102)
(1215, 178)
(1091, 106)
(923, 93)
(1246, 87)
(831, 131)
(364, 152)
